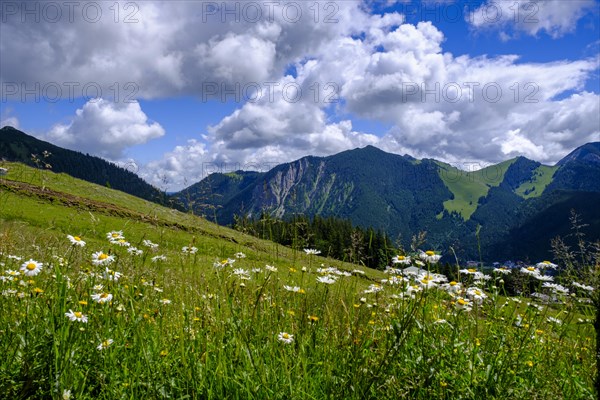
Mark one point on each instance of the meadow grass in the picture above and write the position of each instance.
(235, 317)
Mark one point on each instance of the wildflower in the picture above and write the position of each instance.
(312, 251)
(529, 363)
(111, 275)
(285, 337)
(374, 288)
(463, 304)
(135, 251)
(270, 268)
(295, 289)
(37, 290)
(158, 258)
(452, 287)
(105, 344)
(31, 267)
(241, 273)
(468, 271)
(189, 250)
(328, 279)
(502, 270)
(115, 235)
(148, 243)
(556, 288)
(554, 320)
(239, 255)
(165, 301)
(403, 260)
(76, 241)
(98, 287)
(312, 318)
(76, 316)
(544, 278)
(546, 264)
(102, 297)
(584, 287)
(430, 256)
(223, 263)
(66, 394)
(476, 294)
(101, 258)
(121, 242)
(532, 271)
(358, 271)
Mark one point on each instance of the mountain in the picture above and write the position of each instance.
(18, 146)
(402, 196)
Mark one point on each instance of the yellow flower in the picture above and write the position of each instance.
(313, 318)
(37, 290)
(529, 363)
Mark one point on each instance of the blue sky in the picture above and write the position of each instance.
(421, 78)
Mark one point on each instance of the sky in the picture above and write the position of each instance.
(177, 90)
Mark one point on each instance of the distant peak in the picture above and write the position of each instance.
(589, 152)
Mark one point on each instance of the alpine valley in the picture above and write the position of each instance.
(507, 211)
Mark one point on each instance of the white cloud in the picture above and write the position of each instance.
(6, 119)
(105, 129)
(554, 17)
(178, 168)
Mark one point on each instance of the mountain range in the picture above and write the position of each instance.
(510, 210)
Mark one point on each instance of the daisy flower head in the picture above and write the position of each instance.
(158, 258)
(463, 304)
(532, 271)
(285, 337)
(31, 267)
(239, 255)
(111, 275)
(328, 279)
(373, 288)
(292, 288)
(270, 268)
(148, 243)
(101, 258)
(135, 251)
(189, 250)
(120, 242)
(429, 256)
(76, 241)
(115, 235)
(312, 251)
(102, 297)
(402, 260)
(476, 294)
(502, 270)
(76, 316)
(546, 264)
(165, 301)
(105, 344)
(584, 287)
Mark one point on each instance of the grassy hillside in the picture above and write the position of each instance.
(469, 186)
(242, 318)
(541, 178)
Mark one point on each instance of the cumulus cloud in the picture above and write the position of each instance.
(6, 119)
(554, 17)
(105, 129)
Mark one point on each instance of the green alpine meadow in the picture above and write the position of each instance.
(108, 296)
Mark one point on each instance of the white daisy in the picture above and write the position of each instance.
(102, 297)
(101, 258)
(105, 344)
(328, 279)
(148, 243)
(111, 275)
(158, 258)
(546, 264)
(76, 316)
(76, 241)
(403, 260)
(430, 256)
(31, 267)
(115, 235)
(189, 250)
(285, 337)
(312, 251)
